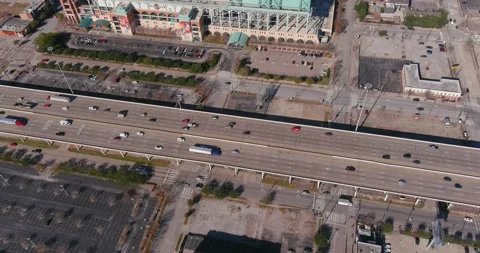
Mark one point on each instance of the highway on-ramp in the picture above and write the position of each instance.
(271, 146)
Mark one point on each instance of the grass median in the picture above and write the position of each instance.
(278, 182)
(28, 142)
(127, 158)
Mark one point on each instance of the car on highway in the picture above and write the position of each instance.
(158, 147)
(107, 109)
(185, 121)
(13, 144)
(402, 181)
(193, 125)
(93, 108)
(143, 114)
(235, 151)
(432, 146)
(60, 133)
(140, 133)
(186, 128)
(447, 179)
(350, 168)
(65, 108)
(124, 134)
(468, 219)
(214, 117)
(152, 120)
(407, 155)
(181, 139)
(296, 129)
(306, 192)
(66, 122)
(291, 251)
(246, 132)
(121, 115)
(307, 250)
(117, 138)
(386, 156)
(416, 161)
(329, 133)
(458, 186)
(47, 105)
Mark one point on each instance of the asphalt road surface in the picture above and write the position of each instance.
(271, 146)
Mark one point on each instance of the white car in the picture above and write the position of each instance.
(93, 108)
(181, 139)
(140, 133)
(158, 147)
(200, 178)
(65, 122)
(124, 134)
(468, 219)
(235, 151)
(65, 108)
(121, 115)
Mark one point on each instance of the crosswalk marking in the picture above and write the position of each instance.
(187, 192)
(191, 167)
(171, 176)
(336, 218)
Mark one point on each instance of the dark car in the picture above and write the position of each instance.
(60, 134)
(329, 133)
(307, 250)
(350, 168)
(152, 120)
(416, 99)
(386, 156)
(407, 155)
(458, 186)
(416, 161)
(38, 150)
(417, 240)
(448, 179)
(246, 132)
(47, 222)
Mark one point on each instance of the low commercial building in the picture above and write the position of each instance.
(446, 89)
(32, 11)
(15, 27)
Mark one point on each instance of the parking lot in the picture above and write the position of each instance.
(148, 48)
(292, 228)
(124, 87)
(423, 48)
(287, 63)
(67, 213)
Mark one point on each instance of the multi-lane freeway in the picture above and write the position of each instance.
(311, 153)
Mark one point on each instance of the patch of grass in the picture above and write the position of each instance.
(127, 158)
(278, 182)
(179, 242)
(31, 143)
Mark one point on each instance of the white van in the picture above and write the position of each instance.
(344, 202)
(447, 121)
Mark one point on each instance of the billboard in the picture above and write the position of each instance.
(185, 27)
(124, 22)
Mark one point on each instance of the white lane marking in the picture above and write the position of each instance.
(216, 139)
(407, 167)
(19, 111)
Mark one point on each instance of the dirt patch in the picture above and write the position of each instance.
(299, 109)
(9, 10)
(290, 227)
(401, 243)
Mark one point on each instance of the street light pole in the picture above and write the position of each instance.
(30, 240)
(63, 189)
(61, 70)
(4, 179)
(368, 86)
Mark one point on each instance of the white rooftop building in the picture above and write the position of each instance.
(448, 89)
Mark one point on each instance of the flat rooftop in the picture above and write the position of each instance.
(413, 80)
(15, 25)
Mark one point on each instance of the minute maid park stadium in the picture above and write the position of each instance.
(286, 21)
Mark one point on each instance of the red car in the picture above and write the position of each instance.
(45, 60)
(13, 144)
(48, 98)
(185, 121)
(47, 105)
(117, 138)
(296, 129)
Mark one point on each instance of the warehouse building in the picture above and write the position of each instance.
(291, 21)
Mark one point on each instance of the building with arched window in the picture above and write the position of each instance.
(286, 21)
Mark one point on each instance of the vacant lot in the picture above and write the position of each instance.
(291, 228)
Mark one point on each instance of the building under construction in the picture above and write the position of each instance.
(292, 21)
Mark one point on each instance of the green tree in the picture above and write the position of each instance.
(67, 67)
(197, 68)
(362, 10)
(310, 81)
(382, 33)
(269, 198)
(147, 61)
(60, 17)
(244, 71)
(322, 238)
(46, 40)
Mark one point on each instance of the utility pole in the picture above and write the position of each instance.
(368, 86)
(61, 70)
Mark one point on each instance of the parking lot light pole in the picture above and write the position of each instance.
(63, 189)
(368, 86)
(61, 70)
(4, 179)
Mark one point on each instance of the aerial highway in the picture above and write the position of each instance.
(311, 152)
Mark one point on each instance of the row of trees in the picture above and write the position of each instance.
(247, 71)
(189, 81)
(78, 67)
(221, 191)
(123, 175)
(57, 41)
(19, 156)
